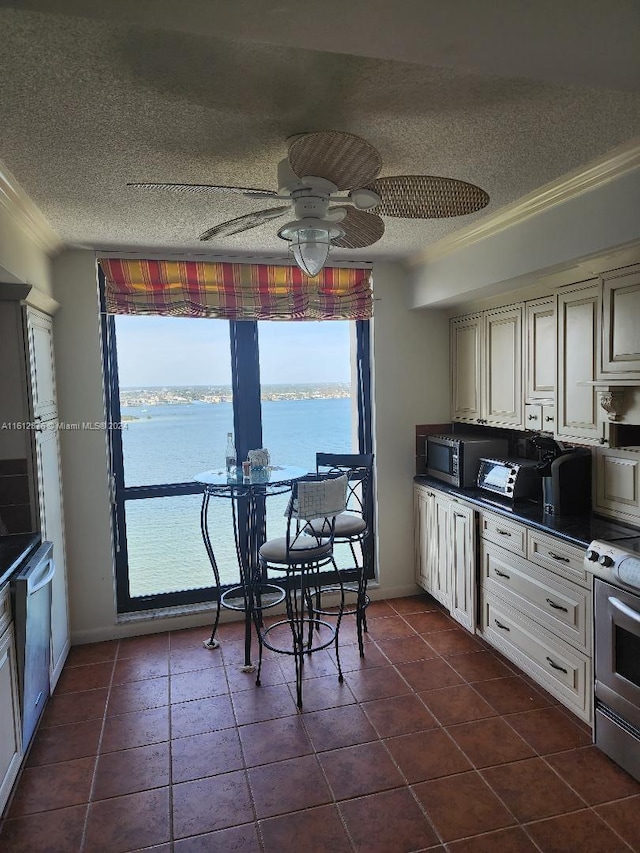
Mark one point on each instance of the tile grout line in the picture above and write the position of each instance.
(477, 771)
(361, 704)
(83, 839)
(459, 748)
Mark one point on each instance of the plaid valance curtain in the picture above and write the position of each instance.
(235, 291)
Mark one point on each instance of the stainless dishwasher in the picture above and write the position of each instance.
(31, 593)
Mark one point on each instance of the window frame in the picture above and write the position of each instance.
(247, 417)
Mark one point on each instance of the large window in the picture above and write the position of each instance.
(178, 386)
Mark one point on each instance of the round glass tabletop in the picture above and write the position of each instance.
(273, 475)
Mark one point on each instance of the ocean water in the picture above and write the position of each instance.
(172, 443)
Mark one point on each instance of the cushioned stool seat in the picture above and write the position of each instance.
(275, 550)
(347, 524)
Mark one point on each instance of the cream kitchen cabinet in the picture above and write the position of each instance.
(486, 359)
(462, 564)
(621, 325)
(540, 351)
(10, 722)
(579, 417)
(535, 607)
(31, 397)
(47, 450)
(540, 345)
(431, 543)
(445, 552)
(422, 500)
(466, 359)
(48, 475)
(502, 396)
(41, 365)
(617, 484)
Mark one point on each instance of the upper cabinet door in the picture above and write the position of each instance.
(579, 309)
(621, 327)
(540, 342)
(466, 359)
(41, 365)
(502, 385)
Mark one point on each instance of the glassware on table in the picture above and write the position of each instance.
(259, 458)
(230, 455)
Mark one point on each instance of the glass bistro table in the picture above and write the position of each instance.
(247, 496)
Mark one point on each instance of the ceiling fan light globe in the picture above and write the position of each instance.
(310, 247)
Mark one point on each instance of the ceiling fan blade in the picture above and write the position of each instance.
(342, 158)
(427, 196)
(360, 229)
(203, 188)
(244, 223)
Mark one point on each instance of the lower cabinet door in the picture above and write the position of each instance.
(10, 724)
(439, 550)
(462, 571)
(554, 664)
(421, 533)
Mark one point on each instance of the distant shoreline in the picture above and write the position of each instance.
(177, 395)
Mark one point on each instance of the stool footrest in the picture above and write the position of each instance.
(302, 623)
(348, 610)
(259, 592)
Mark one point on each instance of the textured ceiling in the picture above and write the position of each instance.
(88, 105)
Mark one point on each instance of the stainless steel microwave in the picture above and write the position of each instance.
(455, 459)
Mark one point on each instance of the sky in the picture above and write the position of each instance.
(188, 351)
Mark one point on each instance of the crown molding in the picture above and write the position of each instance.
(599, 172)
(25, 213)
(178, 255)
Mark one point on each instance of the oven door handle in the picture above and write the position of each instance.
(623, 608)
(51, 570)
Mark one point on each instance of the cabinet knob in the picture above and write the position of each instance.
(548, 418)
(532, 418)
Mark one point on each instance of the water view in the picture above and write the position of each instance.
(173, 433)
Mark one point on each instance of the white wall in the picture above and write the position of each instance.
(410, 354)
(410, 386)
(587, 224)
(83, 451)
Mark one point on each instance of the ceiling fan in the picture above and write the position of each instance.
(331, 186)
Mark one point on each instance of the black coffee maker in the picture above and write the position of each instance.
(566, 477)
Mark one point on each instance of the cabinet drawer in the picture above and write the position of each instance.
(558, 556)
(561, 607)
(505, 533)
(563, 671)
(5, 607)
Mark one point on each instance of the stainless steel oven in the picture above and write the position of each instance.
(617, 652)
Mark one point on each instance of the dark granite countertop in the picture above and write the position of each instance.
(578, 530)
(13, 550)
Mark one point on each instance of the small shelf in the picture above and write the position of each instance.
(612, 383)
(612, 394)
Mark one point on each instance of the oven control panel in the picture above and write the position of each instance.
(612, 563)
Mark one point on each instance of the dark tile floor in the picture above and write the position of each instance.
(433, 742)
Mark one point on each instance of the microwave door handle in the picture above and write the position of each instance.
(627, 611)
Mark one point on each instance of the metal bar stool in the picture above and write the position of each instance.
(297, 559)
(353, 527)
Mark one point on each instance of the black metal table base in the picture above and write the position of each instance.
(301, 587)
(247, 501)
